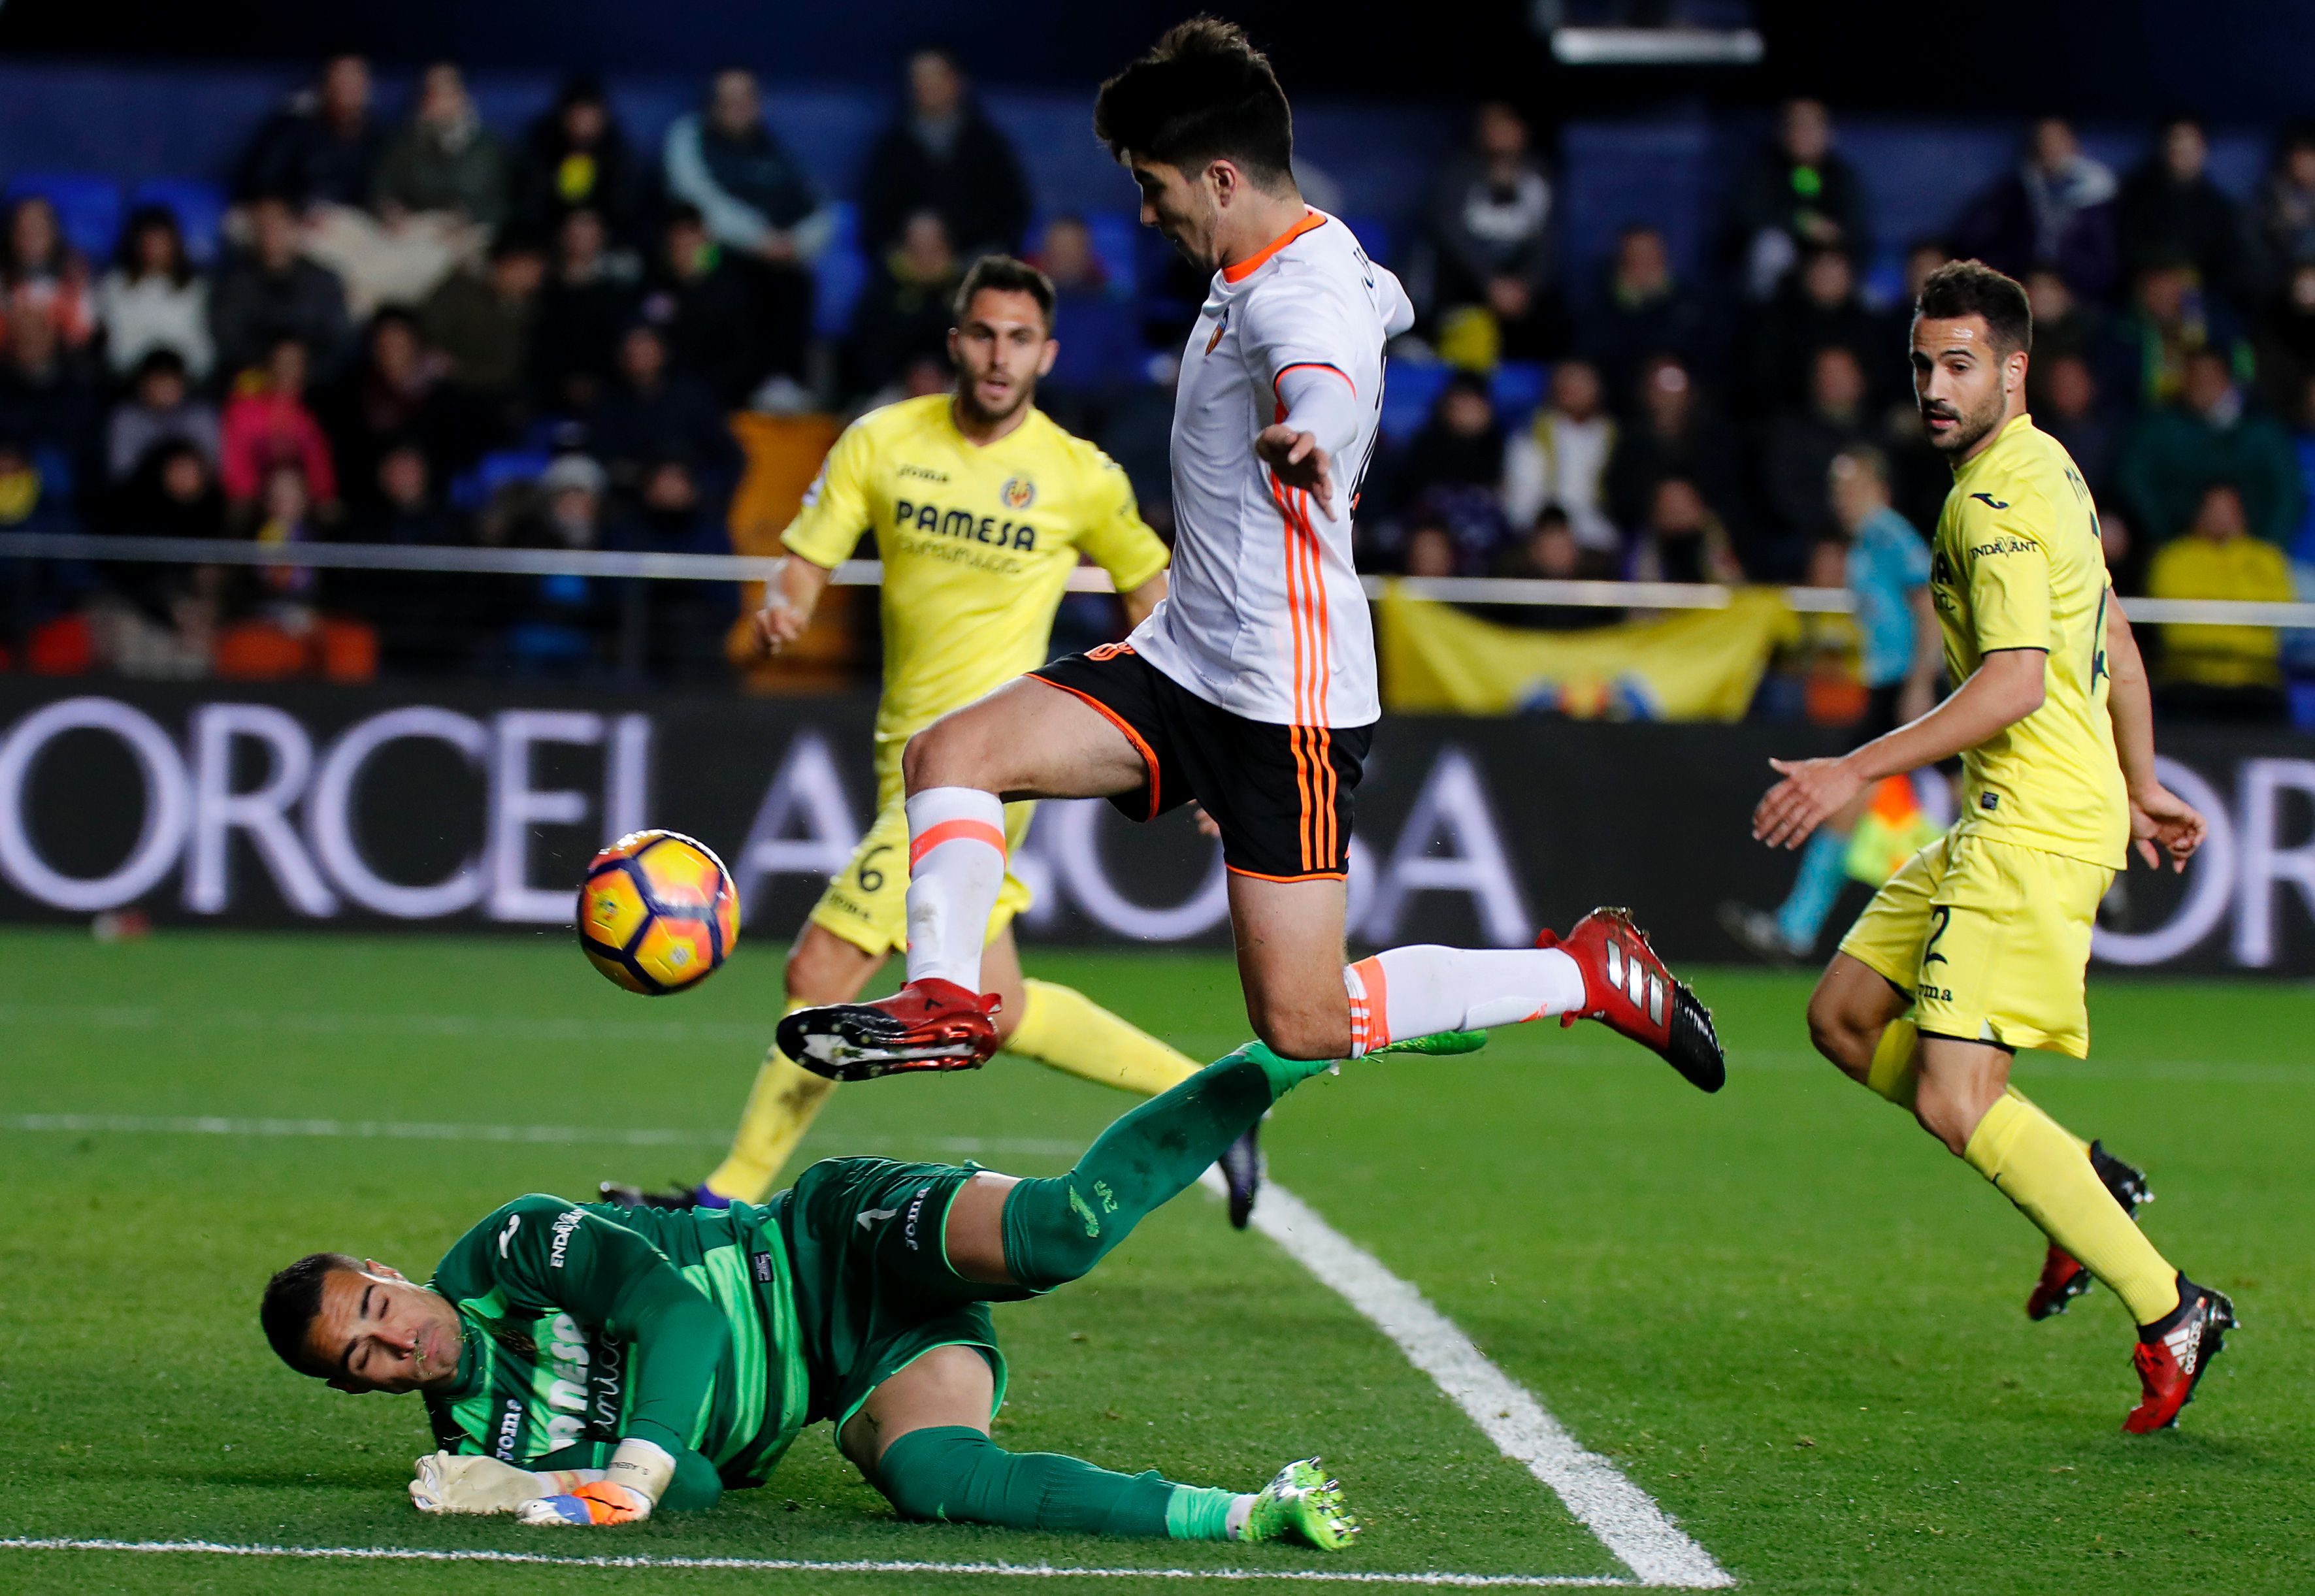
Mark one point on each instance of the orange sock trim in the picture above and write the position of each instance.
(1371, 1015)
(950, 831)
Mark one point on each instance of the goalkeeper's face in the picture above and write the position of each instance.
(374, 1331)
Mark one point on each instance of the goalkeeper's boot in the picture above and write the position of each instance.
(1628, 990)
(2171, 1356)
(1242, 1169)
(928, 1024)
(677, 1196)
(1301, 1504)
(2063, 1278)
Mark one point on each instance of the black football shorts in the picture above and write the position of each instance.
(1280, 795)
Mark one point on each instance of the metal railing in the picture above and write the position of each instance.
(1086, 578)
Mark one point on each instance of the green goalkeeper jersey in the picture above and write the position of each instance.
(586, 1324)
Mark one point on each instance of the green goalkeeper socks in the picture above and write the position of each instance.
(1056, 1229)
(959, 1476)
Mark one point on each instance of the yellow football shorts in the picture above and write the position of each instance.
(1992, 939)
(866, 903)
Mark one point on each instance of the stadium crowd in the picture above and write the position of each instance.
(421, 329)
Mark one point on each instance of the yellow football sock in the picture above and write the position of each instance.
(1896, 1070)
(1067, 1030)
(2037, 1108)
(2038, 1165)
(781, 1107)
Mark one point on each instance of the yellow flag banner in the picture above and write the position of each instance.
(1691, 665)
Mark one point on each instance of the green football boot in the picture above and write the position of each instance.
(1439, 1044)
(1301, 1504)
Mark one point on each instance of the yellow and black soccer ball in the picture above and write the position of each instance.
(658, 913)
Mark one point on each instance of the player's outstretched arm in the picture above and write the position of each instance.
(789, 601)
(2161, 823)
(2004, 689)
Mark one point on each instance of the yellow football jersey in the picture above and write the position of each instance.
(978, 545)
(2017, 563)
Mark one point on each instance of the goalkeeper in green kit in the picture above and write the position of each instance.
(588, 1364)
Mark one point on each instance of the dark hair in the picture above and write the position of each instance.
(143, 221)
(1003, 274)
(1972, 288)
(293, 1297)
(157, 360)
(1202, 93)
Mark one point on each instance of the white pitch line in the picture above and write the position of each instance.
(851, 1565)
(1625, 1517)
(419, 1130)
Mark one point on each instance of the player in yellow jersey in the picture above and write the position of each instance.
(1978, 945)
(980, 506)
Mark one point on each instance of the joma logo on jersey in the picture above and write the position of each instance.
(925, 472)
(509, 1426)
(1991, 501)
(964, 524)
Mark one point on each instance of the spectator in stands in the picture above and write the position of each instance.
(1452, 474)
(322, 148)
(1816, 306)
(588, 297)
(2055, 210)
(41, 275)
(2169, 318)
(1430, 551)
(684, 624)
(2175, 453)
(2063, 324)
(653, 412)
(2169, 209)
(704, 300)
(755, 201)
(482, 321)
(1642, 312)
(941, 154)
(443, 161)
(2286, 340)
(267, 424)
(387, 398)
(48, 406)
(559, 622)
(1562, 458)
(2126, 552)
(1798, 193)
(2286, 202)
(158, 620)
(1682, 539)
(1676, 432)
(1491, 216)
(903, 314)
(422, 620)
(1549, 553)
(2067, 407)
(159, 407)
(153, 298)
(270, 291)
(576, 157)
(1800, 446)
(399, 505)
(1097, 326)
(2207, 672)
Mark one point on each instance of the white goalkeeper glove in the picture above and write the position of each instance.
(446, 1483)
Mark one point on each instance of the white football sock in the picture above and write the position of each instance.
(1420, 991)
(956, 866)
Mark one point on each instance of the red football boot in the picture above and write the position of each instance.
(1628, 990)
(926, 1024)
(2170, 1365)
(2063, 1278)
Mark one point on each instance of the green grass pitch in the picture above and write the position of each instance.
(1782, 1311)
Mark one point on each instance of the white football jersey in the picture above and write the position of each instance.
(1263, 616)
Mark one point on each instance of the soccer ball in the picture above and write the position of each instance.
(657, 913)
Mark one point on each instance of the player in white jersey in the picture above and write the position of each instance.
(1250, 690)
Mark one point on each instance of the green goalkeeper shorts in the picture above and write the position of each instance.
(873, 1289)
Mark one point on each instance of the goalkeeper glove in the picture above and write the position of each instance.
(601, 1503)
(446, 1483)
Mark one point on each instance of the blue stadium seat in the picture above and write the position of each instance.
(200, 210)
(842, 270)
(472, 491)
(1409, 390)
(88, 208)
(1519, 387)
(1116, 235)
